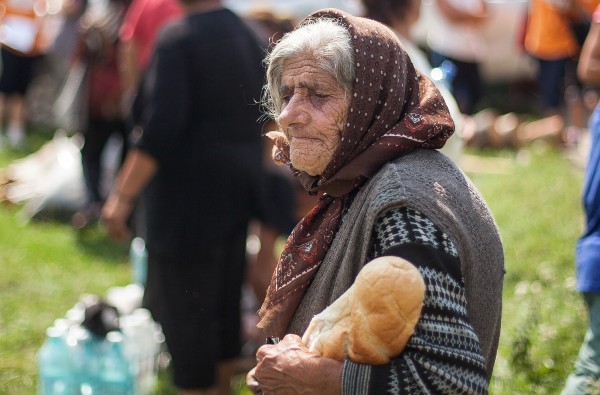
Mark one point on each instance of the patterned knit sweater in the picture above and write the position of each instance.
(463, 272)
(443, 356)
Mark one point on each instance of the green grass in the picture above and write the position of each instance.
(537, 208)
(45, 266)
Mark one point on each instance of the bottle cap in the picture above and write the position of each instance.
(143, 313)
(114, 337)
(138, 244)
(53, 332)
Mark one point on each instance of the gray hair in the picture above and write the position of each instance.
(327, 41)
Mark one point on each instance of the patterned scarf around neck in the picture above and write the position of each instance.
(393, 110)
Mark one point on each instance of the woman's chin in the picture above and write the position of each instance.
(312, 165)
(309, 169)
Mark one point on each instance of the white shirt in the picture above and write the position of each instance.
(461, 42)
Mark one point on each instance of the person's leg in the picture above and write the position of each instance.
(3, 100)
(21, 73)
(474, 85)
(587, 365)
(15, 131)
(91, 154)
(576, 114)
(183, 297)
(95, 138)
(466, 85)
(6, 86)
(232, 273)
(551, 80)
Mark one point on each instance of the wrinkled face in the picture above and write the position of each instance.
(314, 110)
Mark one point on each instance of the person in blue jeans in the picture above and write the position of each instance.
(586, 372)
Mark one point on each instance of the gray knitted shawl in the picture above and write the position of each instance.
(427, 181)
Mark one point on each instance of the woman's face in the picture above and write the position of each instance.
(314, 110)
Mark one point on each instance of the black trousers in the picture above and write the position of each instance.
(96, 136)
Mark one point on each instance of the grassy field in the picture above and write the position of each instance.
(537, 207)
(45, 266)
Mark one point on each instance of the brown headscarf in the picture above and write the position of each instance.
(394, 109)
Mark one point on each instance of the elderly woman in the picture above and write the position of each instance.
(360, 127)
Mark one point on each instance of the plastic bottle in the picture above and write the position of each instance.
(55, 368)
(132, 345)
(87, 357)
(150, 349)
(125, 299)
(115, 374)
(138, 256)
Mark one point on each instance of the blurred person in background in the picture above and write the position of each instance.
(61, 51)
(197, 166)
(98, 52)
(553, 36)
(455, 35)
(586, 374)
(401, 16)
(142, 23)
(23, 43)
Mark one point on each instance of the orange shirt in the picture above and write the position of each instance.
(548, 35)
(21, 25)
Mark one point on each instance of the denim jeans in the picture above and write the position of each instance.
(587, 366)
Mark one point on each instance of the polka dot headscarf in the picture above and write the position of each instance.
(393, 109)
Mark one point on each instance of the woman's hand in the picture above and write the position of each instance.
(115, 213)
(289, 368)
(137, 170)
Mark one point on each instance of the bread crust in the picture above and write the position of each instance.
(372, 321)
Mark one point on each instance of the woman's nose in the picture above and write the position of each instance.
(294, 112)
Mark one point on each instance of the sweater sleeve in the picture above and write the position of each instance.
(443, 356)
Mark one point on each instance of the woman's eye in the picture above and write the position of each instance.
(321, 95)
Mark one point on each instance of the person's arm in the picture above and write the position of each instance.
(137, 170)
(444, 347)
(129, 52)
(460, 16)
(588, 69)
(129, 72)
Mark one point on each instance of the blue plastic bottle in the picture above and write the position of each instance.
(55, 368)
(116, 377)
(138, 256)
(88, 362)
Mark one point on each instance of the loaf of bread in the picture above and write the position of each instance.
(372, 321)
